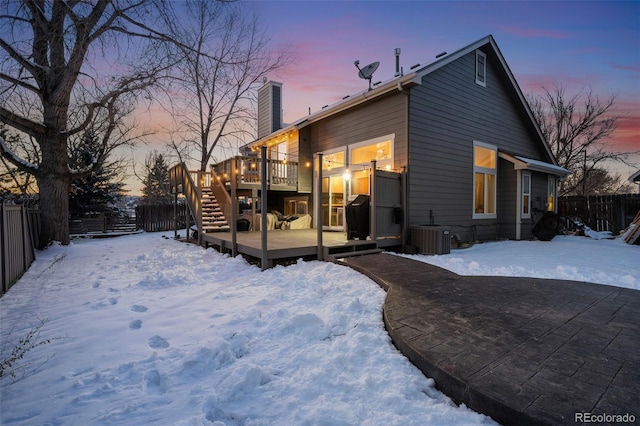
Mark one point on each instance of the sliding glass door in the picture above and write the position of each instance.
(333, 201)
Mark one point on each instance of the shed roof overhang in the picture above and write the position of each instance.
(523, 163)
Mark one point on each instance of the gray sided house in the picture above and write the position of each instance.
(454, 144)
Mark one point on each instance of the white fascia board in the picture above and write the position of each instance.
(635, 178)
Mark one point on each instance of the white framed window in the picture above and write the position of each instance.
(525, 196)
(485, 160)
(481, 68)
(334, 161)
(552, 194)
(278, 151)
(379, 149)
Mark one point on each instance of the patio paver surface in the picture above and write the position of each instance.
(520, 350)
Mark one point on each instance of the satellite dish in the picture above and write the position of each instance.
(367, 71)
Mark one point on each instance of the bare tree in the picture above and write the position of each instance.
(578, 128)
(14, 183)
(225, 54)
(54, 60)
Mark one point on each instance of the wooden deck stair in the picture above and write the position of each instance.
(213, 219)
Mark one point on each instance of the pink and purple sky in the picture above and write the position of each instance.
(581, 45)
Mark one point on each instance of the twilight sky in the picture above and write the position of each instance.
(580, 44)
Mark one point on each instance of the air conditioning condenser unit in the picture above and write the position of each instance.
(431, 239)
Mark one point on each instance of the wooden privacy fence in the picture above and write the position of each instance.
(160, 218)
(101, 224)
(17, 243)
(601, 212)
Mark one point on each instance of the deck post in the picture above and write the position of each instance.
(372, 206)
(199, 209)
(318, 206)
(405, 214)
(234, 206)
(175, 213)
(263, 208)
(187, 222)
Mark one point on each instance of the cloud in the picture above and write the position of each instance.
(633, 68)
(626, 137)
(536, 32)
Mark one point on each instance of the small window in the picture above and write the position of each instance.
(484, 181)
(481, 68)
(526, 196)
(332, 161)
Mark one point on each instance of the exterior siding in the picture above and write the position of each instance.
(304, 156)
(276, 109)
(446, 114)
(507, 199)
(269, 108)
(264, 111)
(378, 118)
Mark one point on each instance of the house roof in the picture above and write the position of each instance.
(523, 163)
(635, 178)
(415, 78)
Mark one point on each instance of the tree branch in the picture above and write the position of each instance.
(22, 124)
(21, 164)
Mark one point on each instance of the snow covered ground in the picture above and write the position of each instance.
(147, 330)
(601, 261)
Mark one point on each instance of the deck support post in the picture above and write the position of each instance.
(405, 203)
(372, 200)
(234, 207)
(318, 205)
(264, 261)
(187, 222)
(175, 213)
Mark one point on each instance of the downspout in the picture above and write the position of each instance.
(405, 175)
(518, 204)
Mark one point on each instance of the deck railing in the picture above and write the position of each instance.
(190, 185)
(280, 173)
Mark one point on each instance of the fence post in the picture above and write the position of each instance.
(3, 260)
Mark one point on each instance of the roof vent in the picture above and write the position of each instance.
(398, 69)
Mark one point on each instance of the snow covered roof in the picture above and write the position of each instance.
(635, 178)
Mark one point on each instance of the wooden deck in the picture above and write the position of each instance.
(285, 244)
